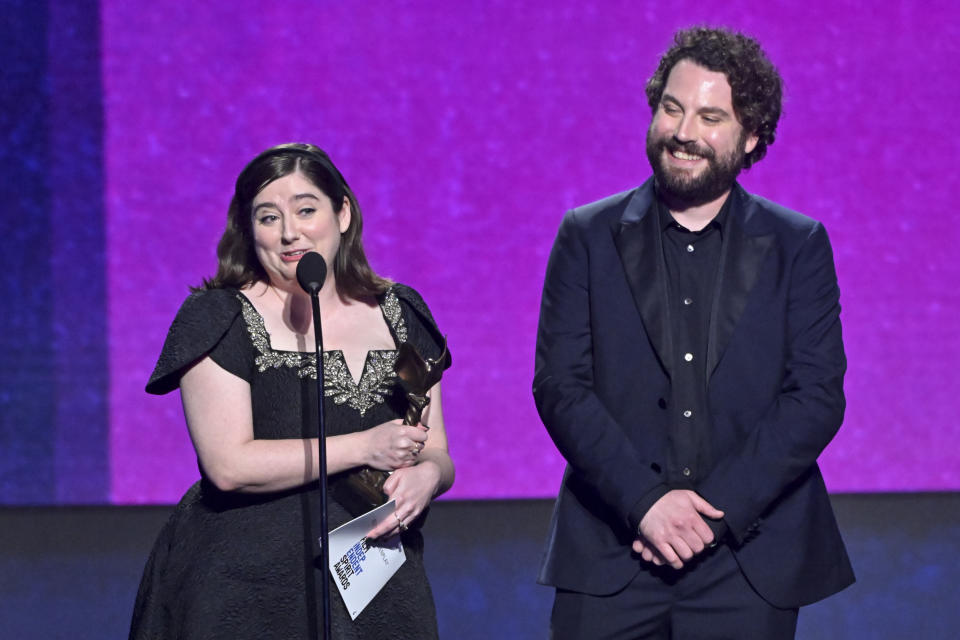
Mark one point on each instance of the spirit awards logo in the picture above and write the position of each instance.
(351, 563)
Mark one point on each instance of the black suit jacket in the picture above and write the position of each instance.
(775, 366)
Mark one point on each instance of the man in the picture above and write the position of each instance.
(690, 369)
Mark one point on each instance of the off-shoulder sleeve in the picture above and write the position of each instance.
(422, 329)
(208, 322)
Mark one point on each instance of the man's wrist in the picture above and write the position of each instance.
(643, 505)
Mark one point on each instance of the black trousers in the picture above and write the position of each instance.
(709, 599)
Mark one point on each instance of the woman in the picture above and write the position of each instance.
(237, 557)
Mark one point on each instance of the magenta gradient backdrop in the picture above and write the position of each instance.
(467, 129)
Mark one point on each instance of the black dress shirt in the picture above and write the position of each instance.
(691, 262)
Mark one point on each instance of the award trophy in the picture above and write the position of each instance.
(361, 490)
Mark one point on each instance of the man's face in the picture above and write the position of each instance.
(695, 143)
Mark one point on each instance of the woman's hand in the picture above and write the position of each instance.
(413, 488)
(394, 445)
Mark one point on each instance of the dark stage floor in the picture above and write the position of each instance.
(73, 572)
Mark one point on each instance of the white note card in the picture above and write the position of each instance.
(361, 567)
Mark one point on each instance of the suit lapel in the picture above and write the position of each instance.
(741, 257)
(641, 252)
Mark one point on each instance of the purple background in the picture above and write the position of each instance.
(466, 131)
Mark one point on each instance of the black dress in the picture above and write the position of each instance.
(234, 565)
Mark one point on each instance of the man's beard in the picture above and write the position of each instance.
(710, 184)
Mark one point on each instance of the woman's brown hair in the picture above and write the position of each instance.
(237, 263)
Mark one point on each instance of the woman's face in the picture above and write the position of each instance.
(292, 216)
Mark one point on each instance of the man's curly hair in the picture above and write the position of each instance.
(754, 82)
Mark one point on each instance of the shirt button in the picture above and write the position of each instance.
(689, 248)
(687, 472)
(688, 301)
(688, 357)
(687, 413)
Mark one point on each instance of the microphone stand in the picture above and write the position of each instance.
(311, 274)
(322, 433)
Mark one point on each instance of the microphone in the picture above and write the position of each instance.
(311, 272)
